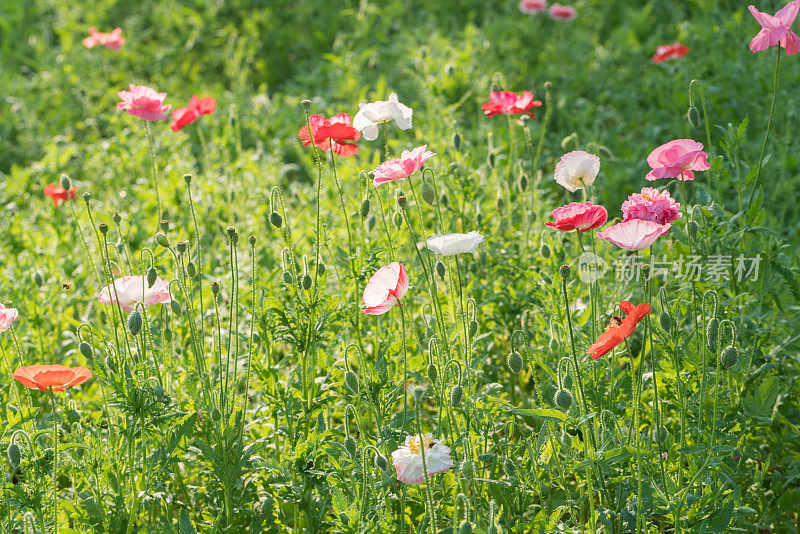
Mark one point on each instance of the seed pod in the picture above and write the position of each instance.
(440, 269)
(251, 240)
(191, 269)
(665, 320)
(693, 116)
(729, 357)
(564, 271)
(401, 199)
(456, 395)
(215, 288)
(365, 206)
(433, 373)
(287, 277)
(563, 399)
(307, 282)
(473, 328)
(187, 178)
(381, 462)
(465, 528)
(181, 247)
(428, 194)
(86, 350)
(350, 446)
(164, 225)
(162, 239)
(152, 276)
(116, 217)
(351, 381)
(176, 307)
(515, 362)
(135, 322)
(14, 455)
(544, 250)
(275, 219)
(712, 332)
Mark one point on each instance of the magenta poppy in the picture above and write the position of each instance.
(677, 159)
(577, 216)
(510, 103)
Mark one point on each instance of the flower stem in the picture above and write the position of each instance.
(55, 462)
(154, 171)
(757, 181)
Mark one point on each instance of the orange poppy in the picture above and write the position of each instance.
(619, 329)
(57, 377)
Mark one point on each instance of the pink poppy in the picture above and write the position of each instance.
(130, 290)
(677, 159)
(7, 316)
(407, 164)
(671, 51)
(387, 286)
(197, 106)
(652, 205)
(577, 216)
(775, 29)
(635, 234)
(144, 102)
(112, 40)
(530, 7)
(509, 103)
(566, 13)
(59, 194)
(336, 133)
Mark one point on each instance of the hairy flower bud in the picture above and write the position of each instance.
(351, 381)
(350, 446)
(456, 394)
(86, 350)
(433, 373)
(428, 193)
(553, 345)
(693, 116)
(457, 141)
(729, 357)
(14, 455)
(397, 219)
(544, 250)
(176, 307)
(712, 332)
(287, 277)
(275, 219)
(514, 362)
(162, 239)
(366, 205)
(563, 399)
(661, 434)
(464, 528)
(665, 320)
(65, 182)
(191, 269)
(440, 270)
(135, 322)
(693, 228)
(473, 328)
(381, 462)
(307, 282)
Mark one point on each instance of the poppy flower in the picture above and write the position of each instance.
(407, 164)
(388, 285)
(577, 169)
(634, 234)
(452, 244)
(530, 7)
(370, 115)
(775, 29)
(671, 51)
(112, 40)
(197, 106)
(7, 316)
(332, 134)
(577, 216)
(619, 329)
(677, 159)
(565, 13)
(143, 102)
(510, 103)
(652, 205)
(133, 289)
(59, 194)
(55, 377)
(408, 462)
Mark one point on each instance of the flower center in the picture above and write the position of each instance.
(414, 445)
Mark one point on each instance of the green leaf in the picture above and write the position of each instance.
(542, 413)
(759, 403)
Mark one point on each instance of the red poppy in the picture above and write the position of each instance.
(332, 134)
(57, 377)
(58, 193)
(672, 51)
(619, 329)
(189, 114)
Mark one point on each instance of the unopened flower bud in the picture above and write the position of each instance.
(661, 434)
(433, 373)
(544, 250)
(162, 239)
(464, 528)
(365, 207)
(216, 415)
(381, 462)
(523, 182)
(307, 282)
(116, 218)
(86, 350)
(428, 194)
(693, 116)
(287, 277)
(321, 268)
(712, 332)
(563, 399)
(566, 382)
(176, 307)
(457, 141)
(275, 219)
(152, 275)
(440, 270)
(466, 469)
(564, 271)
(501, 203)
(665, 320)
(397, 219)
(554, 345)
(456, 394)
(473, 328)
(37, 278)
(515, 362)
(444, 200)
(693, 228)
(487, 457)
(351, 382)
(110, 365)
(350, 446)
(191, 269)
(65, 182)
(135, 322)
(14, 455)
(371, 222)
(729, 357)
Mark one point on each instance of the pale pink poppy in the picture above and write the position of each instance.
(510, 103)
(408, 462)
(677, 159)
(775, 29)
(652, 205)
(635, 234)
(133, 289)
(577, 169)
(112, 40)
(407, 164)
(577, 216)
(144, 102)
(566, 13)
(7, 316)
(387, 286)
(530, 7)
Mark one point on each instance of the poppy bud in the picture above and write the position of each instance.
(275, 219)
(444, 200)
(554, 345)
(110, 365)
(428, 194)
(151, 276)
(251, 240)
(371, 223)
(418, 392)
(215, 414)
(401, 199)
(398, 219)
(491, 160)
(162, 239)
(466, 469)
(500, 203)
(566, 382)
(187, 178)
(215, 288)
(351, 381)
(135, 322)
(465, 528)
(65, 182)
(86, 350)
(381, 462)
(665, 319)
(287, 277)
(661, 434)
(164, 225)
(306, 104)
(433, 373)
(14, 455)
(645, 271)
(514, 362)
(563, 399)
(168, 335)
(544, 250)
(320, 267)
(487, 457)
(693, 227)
(693, 116)
(176, 307)
(365, 206)
(564, 271)
(729, 357)
(181, 247)
(456, 395)
(191, 269)
(307, 282)
(116, 217)
(492, 529)
(473, 328)
(523, 182)
(37, 278)
(712, 332)
(103, 228)
(350, 446)
(440, 269)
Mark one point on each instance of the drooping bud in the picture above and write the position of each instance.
(135, 322)
(307, 282)
(321, 268)
(457, 141)
(440, 270)
(275, 219)
(287, 277)
(428, 193)
(661, 434)
(464, 528)
(381, 462)
(473, 328)
(162, 239)
(553, 345)
(515, 362)
(351, 382)
(152, 275)
(693, 228)
(665, 320)
(350, 446)
(456, 394)
(371, 222)
(191, 269)
(729, 357)
(712, 332)
(563, 399)
(365, 207)
(14, 455)
(65, 182)
(86, 350)
(176, 307)
(544, 250)
(397, 219)
(433, 373)
(693, 116)
(566, 382)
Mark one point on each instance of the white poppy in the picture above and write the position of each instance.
(407, 459)
(371, 115)
(451, 244)
(576, 170)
